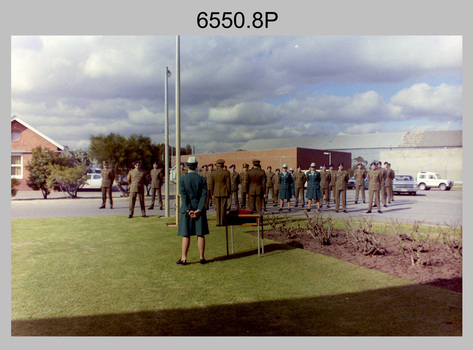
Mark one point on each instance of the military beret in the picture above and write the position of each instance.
(136, 162)
(386, 163)
(330, 165)
(232, 166)
(245, 165)
(359, 164)
(277, 169)
(256, 161)
(220, 161)
(340, 164)
(324, 165)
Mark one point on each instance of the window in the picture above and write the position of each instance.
(16, 167)
(431, 177)
(15, 136)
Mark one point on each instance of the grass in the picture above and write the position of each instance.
(116, 276)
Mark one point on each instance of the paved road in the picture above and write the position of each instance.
(431, 207)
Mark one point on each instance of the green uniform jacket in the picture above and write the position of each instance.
(285, 180)
(333, 175)
(341, 179)
(360, 176)
(234, 180)
(374, 180)
(193, 192)
(299, 179)
(244, 181)
(276, 184)
(269, 179)
(389, 177)
(313, 185)
(157, 178)
(325, 178)
(108, 176)
(220, 183)
(256, 182)
(136, 178)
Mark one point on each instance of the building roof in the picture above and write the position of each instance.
(61, 147)
(451, 138)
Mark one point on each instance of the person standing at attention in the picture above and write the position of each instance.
(193, 218)
(157, 180)
(313, 186)
(285, 181)
(221, 190)
(341, 180)
(325, 179)
(108, 176)
(136, 178)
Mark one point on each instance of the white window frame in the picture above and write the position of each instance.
(20, 166)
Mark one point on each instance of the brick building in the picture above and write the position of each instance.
(277, 157)
(24, 138)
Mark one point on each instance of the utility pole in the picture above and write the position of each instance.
(178, 126)
(166, 143)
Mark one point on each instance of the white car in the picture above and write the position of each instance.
(94, 182)
(404, 184)
(426, 180)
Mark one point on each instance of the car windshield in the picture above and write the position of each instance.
(438, 176)
(404, 178)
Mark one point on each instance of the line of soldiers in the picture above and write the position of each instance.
(137, 180)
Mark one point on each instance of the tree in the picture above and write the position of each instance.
(76, 157)
(67, 179)
(14, 183)
(39, 169)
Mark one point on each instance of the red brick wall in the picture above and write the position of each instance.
(26, 143)
(275, 158)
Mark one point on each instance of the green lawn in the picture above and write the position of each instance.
(116, 276)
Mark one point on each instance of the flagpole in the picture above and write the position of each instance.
(166, 143)
(178, 126)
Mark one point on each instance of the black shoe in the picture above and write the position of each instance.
(144, 216)
(328, 206)
(344, 211)
(150, 208)
(364, 202)
(289, 209)
(385, 206)
(181, 262)
(379, 211)
(296, 205)
(111, 207)
(368, 212)
(336, 211)
(280, 209)
(102, 207)
(130, 216)
(160, 208)
(203, 261)
(308, 209)
(356, 202)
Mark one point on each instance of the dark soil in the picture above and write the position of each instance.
(441, 268)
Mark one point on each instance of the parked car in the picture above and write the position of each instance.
(94, 182)
(352, 183)
(426, 180)
(404, 184)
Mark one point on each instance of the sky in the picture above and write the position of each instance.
(236, 88)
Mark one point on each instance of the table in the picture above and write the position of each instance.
(244, 218)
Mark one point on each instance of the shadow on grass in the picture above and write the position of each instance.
(411, 310)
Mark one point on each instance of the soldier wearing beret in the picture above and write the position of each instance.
(276, 186)
(360, 176)
(157, 180)
(234, 183)
(382, 189)
(299, 181)
(331, 185)
(341, 180)
(325, 179)
(269, 186)
(244, 184)
(389, 182)
(256, 187)
(108, 176)
(136, 178)
(285, 181)
(374, 178)
(221, 189)
(209, 189)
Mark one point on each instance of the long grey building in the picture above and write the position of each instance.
(408, 152)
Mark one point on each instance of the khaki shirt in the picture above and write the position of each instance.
(341, 179)
(389, 177)
(234, 180)
(325, 178)
(269, 179)
(299, 179)
(136, 179)
(360, 176)
(244, 181)
(220, 183)
(157, 178)
(256, 182)
(108, 176)
(333, 175)
(374, 180)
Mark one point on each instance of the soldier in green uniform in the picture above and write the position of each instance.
(183, 170)
(382, 188)
(108, 176)
(331, 185)
(234, 183)
(360, 176)
(299, 181)
(374, 184)
(244, 184)
(325, 179)
(276, 186)
(209, 189)
(313, 186)
(256, 187)
(341, 180)
(285, 181)
(193, 218)
(269, 186)
(157, 180)
(221, 189)
(136, 179)
(389, 182)
(203, 171)
(293, 187)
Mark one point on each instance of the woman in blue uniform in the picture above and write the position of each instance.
(313, 186)
(285, 181)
